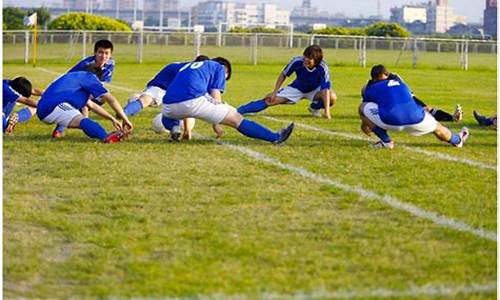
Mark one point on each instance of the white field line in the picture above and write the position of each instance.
(435, 155)
(321, 293)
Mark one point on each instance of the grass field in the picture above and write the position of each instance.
(323, 216)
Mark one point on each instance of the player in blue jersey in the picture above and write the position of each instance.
(18, 90)
(155, 90)
(103, 50)
(64, 98)
(312, 82)
(388, 104)
(187, 97)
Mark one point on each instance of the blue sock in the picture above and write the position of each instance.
(257, 131)
(487, 122)
(93, 129)
(382, 134)
(133, 107)
(252, 107)
(170, 124)
(60, 128)
(317, 104)
(24, 115)
(455, 139)
(4, 121)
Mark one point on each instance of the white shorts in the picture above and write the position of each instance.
(62, 114)
(156, 93)
(204, 107)
(427, 125)
(294, 95)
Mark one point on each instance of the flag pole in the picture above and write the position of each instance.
(35, 42)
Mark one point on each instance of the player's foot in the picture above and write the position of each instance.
(464, 135)
(381, 144)
(11, 123)
(314, 112)
(116, 137)
(284, 134)
(481, 120)
(57, 134)
(174, 136)
(458, 114)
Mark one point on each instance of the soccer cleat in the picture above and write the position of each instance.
(314, 112)
(57, 134)
(464, 135)
(479, 118)
(12, 121)
(284, 134)
(381, 144)
(458, 114)
(174, 137)
(116, 137)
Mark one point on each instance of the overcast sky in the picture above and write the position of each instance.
(472, 9)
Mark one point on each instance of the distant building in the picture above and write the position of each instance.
(490, 18)
(440, 17)
(75, 4)
(155, 5)
(271, 14)
(117, 4)
(409, 14)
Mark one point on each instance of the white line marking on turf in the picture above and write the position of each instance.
(389, 200)
(435, 155)
(322, 293)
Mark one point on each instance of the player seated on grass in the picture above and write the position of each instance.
(103, 49)
(187, 97)
(155, 90)
(388, 105)
(62, 101)
(438, 114)
(18, 90)
(490, 122)
(312, 82)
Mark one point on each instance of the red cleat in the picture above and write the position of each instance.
(116, 137)
(57, 134)
(13, 119)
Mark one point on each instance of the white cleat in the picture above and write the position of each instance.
(381, 144)
(314, 112)
(458, 114)
(464, 135)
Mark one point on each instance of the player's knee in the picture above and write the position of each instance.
(360, 110)
(233, 119)
(333, 99)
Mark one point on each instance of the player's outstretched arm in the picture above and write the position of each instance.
(28, 101)
(278, 84)
(115, 105)
(325, 95)
(104, 113)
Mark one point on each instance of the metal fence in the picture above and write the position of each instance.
(149, 46)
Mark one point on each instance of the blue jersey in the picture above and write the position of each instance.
(9, 97)
(74, 88)
(194, 80)
(395, 102)
(165, 76)
(107, 69)
(308, 80)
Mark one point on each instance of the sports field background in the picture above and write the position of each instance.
(312, 218)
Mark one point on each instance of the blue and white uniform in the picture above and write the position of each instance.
(65, 96)
(390, 105)
(9, 98)
(157, 86)
(107, 71)
(308, 81)
(187, 95)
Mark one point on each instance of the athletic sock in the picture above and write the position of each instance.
(317, 104)
(133, 107)
(60, 128)
(24, 115)
(455, 139)
(382, 134)
(487, 121)
(171, 125)
(441, 115)
(257, 131)
(93, 129)
(5, 123)
(252, 107)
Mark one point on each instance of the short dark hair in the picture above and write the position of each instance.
(314, 52)
(225, 63)
(105, 44)
(22, 86)
(95, 70)
(377, 71)
(201, 58)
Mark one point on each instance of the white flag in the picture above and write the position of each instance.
(30, 20)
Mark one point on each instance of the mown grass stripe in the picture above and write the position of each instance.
(435, 155)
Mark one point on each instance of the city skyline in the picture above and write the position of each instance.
(472, 10)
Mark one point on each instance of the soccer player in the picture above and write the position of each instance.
(438, 114)
(490, 122)
(103, 50)
(155, 90)
(388, 104)
(312, 82)
(18, 90)
(187, 97)
(67, 95)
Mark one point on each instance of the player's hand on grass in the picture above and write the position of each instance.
(218, 131)
(187, 135)
(128, 125)
(117, 124)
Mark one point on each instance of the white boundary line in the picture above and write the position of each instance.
(435, 155)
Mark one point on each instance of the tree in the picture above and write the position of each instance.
(13, 18)
(82, 21)
(387, 29)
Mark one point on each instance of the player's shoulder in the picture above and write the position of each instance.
(111, 62)
(296, 59)
(324, 65)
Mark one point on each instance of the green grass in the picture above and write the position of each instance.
(147, 218)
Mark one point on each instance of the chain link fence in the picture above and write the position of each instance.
(163, 47)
